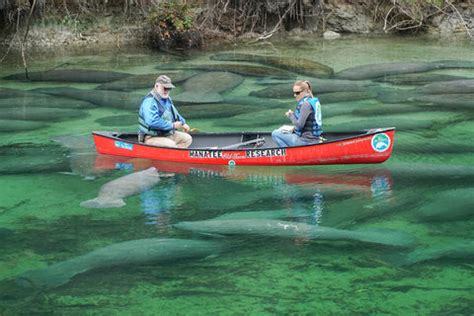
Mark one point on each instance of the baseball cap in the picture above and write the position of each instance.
(165, 81)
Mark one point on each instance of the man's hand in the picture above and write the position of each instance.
(186, 128)
(177, 125)
(289, 113)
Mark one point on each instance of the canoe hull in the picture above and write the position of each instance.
(374, 146)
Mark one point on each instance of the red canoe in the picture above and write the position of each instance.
(257, 149)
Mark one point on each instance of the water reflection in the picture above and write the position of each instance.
(332, 198)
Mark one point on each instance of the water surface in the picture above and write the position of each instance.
(424, 192)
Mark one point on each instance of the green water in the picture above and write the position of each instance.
(423, 191)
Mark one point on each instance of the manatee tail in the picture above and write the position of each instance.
(386, 237)
(102, 203)
(43, 278)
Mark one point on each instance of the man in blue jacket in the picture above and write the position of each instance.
(159, 120)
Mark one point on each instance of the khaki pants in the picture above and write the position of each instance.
(176, 140)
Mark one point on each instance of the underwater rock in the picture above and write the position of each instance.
(70, 75)
(283, 229)
(373, 71)
(112, 193)
(297, 65)
(133, 252)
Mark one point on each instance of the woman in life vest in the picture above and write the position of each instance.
(159, 120)
(306, 119)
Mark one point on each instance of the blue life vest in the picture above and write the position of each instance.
(314, 122)
(168, 114)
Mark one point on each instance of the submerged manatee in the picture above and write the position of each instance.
(461, 250)
(298, 65)
(382, 109)
(417, 79)
(70, 75)
(451, 101)
(133, 252)
(134, 82)
(20, 125)
(112, 193)
(27, 158)
(454, 64)
(206, 87)
(385, 69)
(251, 119)
(283, 229)
(451, 205)
(448, 87)
(40, 114)
(243, 69)
(82, 155)
(114, 99)
(273, 214)
(213, 110)
(284, 90)
(45, 101)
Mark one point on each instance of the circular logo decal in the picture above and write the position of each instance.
(380, 142)
(231, 163)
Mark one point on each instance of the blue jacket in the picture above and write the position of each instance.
(157, 115)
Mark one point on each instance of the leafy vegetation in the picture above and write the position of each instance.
(171, 25)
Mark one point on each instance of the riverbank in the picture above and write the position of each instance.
(336, 19)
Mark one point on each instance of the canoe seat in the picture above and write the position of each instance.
(258, 142)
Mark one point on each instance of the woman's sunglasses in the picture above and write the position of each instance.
(296, 93)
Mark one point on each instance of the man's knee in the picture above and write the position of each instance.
(160, 142)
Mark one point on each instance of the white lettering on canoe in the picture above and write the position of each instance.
(205, 154)
(274, 152)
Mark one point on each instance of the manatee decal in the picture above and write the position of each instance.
(380, 142)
